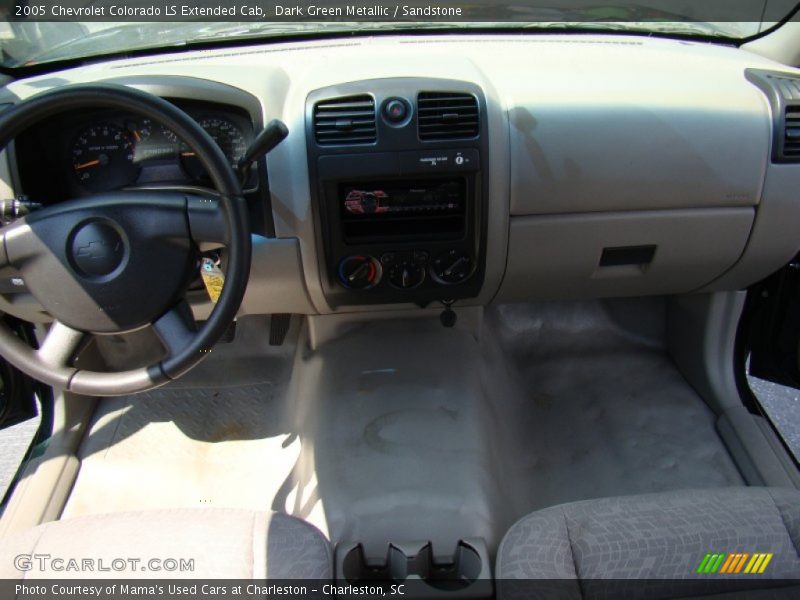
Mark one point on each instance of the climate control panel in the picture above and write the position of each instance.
(405, 269)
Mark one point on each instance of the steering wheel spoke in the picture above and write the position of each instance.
(176, 328)
(60, 345)
(207, 223)
(14, 240)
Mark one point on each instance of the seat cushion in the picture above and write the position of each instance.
(222, 543)
(655, 536)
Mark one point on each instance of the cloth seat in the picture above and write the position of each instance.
(660, 537)
(222, 543)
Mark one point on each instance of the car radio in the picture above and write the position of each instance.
(398, 196)
(403, 207)
(404, 198)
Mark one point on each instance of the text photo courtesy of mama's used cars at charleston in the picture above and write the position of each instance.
(411, 299)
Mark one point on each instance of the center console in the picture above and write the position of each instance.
(398, 191)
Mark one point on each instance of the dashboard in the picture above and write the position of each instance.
(587, 165)
(103, 150)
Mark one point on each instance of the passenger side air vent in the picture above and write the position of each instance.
(783, 92)
(791, 134)
(345, 120)
(447, 116)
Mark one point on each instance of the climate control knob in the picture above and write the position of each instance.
(453, 266)
(360, 272)
(406, 274)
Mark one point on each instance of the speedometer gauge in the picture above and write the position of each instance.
(102, 158)
(228, 137)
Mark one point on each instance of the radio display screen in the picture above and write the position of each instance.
(386, 200)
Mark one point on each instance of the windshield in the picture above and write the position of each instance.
(58, 30)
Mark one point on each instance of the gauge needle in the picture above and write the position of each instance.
(187, 153)
(91, 163)
(137, 136)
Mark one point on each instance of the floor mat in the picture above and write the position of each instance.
(593, 406)
(406, 431)
(218, 437)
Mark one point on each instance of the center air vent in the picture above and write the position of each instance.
(345, 120)
(791, 134)
(447, 116)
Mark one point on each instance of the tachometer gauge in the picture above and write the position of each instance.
(228, 137)
(103, 158)
(169, 135)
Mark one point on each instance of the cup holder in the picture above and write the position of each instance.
(464, 574)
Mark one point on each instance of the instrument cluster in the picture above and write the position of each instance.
(106, 150)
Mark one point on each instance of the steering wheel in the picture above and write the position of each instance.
(117, 262)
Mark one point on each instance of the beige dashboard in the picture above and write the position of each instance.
(616, 166)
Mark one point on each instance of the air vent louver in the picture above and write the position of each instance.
(447, 116)
(791, 134)
(345, 120)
